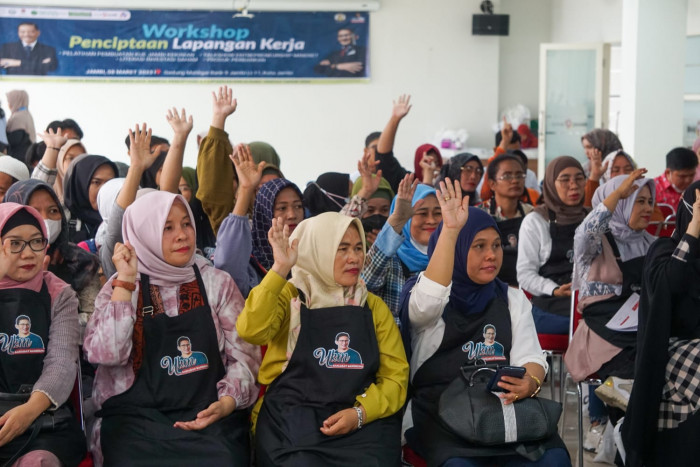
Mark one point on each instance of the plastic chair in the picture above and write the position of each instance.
(591, 379)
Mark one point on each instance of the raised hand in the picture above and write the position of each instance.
(140, 153)
(404, 195)
(284, 253)
(597, 166)
(180, 123)
(401, 106)
(366, 166)
(627, 187)
(223, 102)
(125, 262)
(455, 209)
(53, 139)
(506, 133)
(249, 173)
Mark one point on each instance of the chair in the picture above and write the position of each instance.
(663, 228)
(591, 379)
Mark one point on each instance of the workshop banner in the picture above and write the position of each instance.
(156, 45)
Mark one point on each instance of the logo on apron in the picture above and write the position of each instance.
(343, 357)
(488, 350)
(187, 362)
(24, 342)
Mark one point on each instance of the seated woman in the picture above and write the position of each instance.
(39, 336)
(84, 178)
(427, 163)
(455, 303)
(174, 379)
(597, 144)
(330, 192)
(609, 249)
(20, 126)
(324, 405)
(244, 250)
(468, 169)
(617, 163)
(400, 250)
(70, 263)
(662, 420)
(506, 178)
(546, 245)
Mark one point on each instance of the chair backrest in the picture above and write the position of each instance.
(666, 209)
(667, 227)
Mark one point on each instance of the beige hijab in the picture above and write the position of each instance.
(58, 184)
(21, 119)
(312, 275)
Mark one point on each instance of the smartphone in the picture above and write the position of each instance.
(514, 371)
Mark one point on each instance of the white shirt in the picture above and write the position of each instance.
(425, 307)
(534, 249)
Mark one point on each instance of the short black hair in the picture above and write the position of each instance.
(371, 137)
(183, 338)
(489, 326)
(34, 153)
(514, 139)
(67, 124)
(341, 334)
(21, 317)
(492, 169)
(28, 23)
(155, 140)
(681, 159)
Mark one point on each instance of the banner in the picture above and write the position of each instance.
(183, 45)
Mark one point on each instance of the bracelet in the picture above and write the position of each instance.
(130, 286)
(359, 417)
(51, 147)
(538, 383)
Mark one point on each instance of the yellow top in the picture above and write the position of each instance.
(265, 321)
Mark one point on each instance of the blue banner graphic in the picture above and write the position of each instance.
(141, 44)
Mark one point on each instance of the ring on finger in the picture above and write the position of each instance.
(516, 398)
(447, 198)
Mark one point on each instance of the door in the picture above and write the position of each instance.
(574, 94)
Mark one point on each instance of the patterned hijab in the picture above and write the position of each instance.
(263, 212)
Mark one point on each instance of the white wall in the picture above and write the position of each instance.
(415, 48)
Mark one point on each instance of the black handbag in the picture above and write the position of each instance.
(47, 421)
(478, 416)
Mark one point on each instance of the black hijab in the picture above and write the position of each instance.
(148, 179)
(75, 266)
(453, 169)
(327, 193)
(76, 187)
(668, 308)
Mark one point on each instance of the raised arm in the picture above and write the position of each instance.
(400, 109)
(370, 183)
(46, 168)
(172, 167)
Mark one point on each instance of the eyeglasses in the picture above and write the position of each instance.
(507, 177)
(566, 180)
(36, 244)
(471, 169)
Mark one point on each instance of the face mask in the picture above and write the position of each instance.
(375, 221)
(53, 228)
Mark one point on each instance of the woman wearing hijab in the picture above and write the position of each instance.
(20, 127)
(172, 369)
(458, 303)
(661, 422)
(58, 154)
(617, 163)
(329, 193)
(84, 178)
(546, 244)
(599, 142)
(609, 250)
(39, 333)
(244, 250)
(427, 163)
(71, 264)
(335, 366)
(401, 248)
(506, 178)
(371, 202)
(468, 169)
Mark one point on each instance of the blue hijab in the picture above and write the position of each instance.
(414, 259)
(465, 295)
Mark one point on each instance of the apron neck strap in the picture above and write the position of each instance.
(146, 291)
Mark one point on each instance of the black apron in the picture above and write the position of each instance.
(559, 267)
(318, 382)
(463, 341)
(510, 229)
(137, 425)
(597, 315)
(21, 364)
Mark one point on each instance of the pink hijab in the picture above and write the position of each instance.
(54, 284)
(143, 226)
